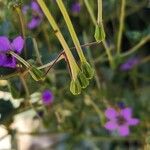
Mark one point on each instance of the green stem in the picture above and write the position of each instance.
(20, 15)
(25, 87)
(37, 51)
(20, 59)
(107, 49)
(71, 29)
(136, 47)
(121, 25)
(74, 67)
(99, 15)
(90, 11)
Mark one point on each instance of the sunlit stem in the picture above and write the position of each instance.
(71, 30)
(73, 65)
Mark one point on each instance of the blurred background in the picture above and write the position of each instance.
(76, 122)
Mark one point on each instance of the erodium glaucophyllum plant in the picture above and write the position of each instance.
(7, 60)
(37, 15)
(120, 120)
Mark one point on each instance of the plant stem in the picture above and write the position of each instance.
(25, 87)
(121, 26)
(20, 15)
(107, 49)
(71, 60)
(99, 15)
(136, 47)
(87, 4)
(20, 59)
(71, 30)
(37, 51)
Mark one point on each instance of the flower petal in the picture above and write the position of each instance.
(126, 113)
(34, 23)
(17, 44)
(123, 130)
(47, 97)
(2, 59)
(4, 44)
(133, 121)
(110, 125)
(110, 113)
(7, 61)
(35, 7)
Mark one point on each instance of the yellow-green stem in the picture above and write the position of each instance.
(71, 30)
(121, 26)
(22, 24)
(99, 15)
(107, 49)
(71, 60)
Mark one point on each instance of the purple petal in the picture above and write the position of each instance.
(17, 44)
(76, 7)
(34, 23)
(110, 125)
(123, 130)
(126, 113)
(111, 113)
(47, 97)
(129, 64)
(4, 44)
(133, 121)
(7, 61)
(35, 7)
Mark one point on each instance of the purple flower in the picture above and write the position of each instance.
(6, 60)
(129, 64)
(47, 97)
(37, 15)
(76, 7)
(120, 120)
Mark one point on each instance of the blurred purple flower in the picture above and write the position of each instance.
(120, 120)
(76, 7)
(129, 64)
(47, 97)
(37, 15)
(6, 60)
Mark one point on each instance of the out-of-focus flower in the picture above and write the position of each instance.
(37, 15)
(6, 60)
(76, 7)
(47, 97)
(129, 64)
(120, 120)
